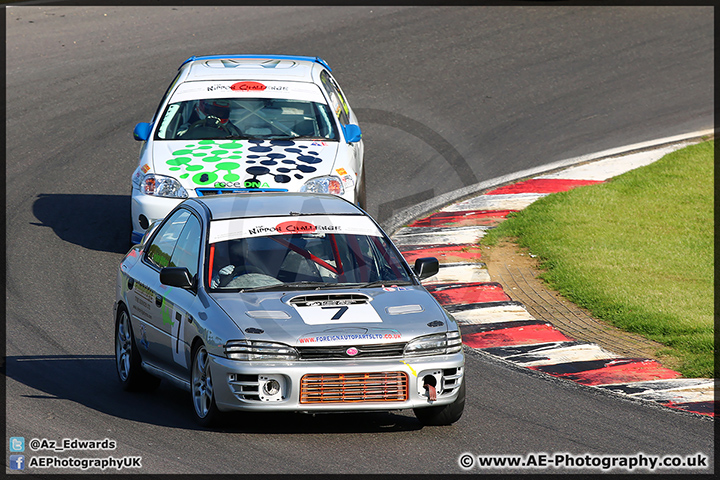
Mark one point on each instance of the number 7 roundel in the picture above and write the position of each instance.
(336, 314)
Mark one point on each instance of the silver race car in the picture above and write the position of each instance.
(284, 302)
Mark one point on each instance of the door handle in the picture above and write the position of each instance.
(158, 300)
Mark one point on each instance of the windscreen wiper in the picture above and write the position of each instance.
(289, 286)
(314, 137)
(238, 137)
(385, 283)
(300, 137)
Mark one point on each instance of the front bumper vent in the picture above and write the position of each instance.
(204, 192)
(354, 387)
(245, 387)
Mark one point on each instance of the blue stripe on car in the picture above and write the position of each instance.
(275, 57)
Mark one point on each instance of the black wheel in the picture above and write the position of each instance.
(444, 414)
(203, 397)
(127, 358)
(361, 200)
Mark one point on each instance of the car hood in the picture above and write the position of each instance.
(335, 317)
(264, 164)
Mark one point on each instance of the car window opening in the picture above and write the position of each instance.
(321, 259)
(246, 118)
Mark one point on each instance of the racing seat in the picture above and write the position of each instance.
(295, 268)
(306, 128)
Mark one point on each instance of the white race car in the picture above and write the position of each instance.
(247, 123)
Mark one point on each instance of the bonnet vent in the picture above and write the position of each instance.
(329, 300)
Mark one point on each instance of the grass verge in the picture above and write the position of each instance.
(636, 251)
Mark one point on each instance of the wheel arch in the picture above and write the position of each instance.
(119, 306)
(195, 344)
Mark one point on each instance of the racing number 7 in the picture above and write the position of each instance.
(340, 311)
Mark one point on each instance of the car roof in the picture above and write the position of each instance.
(252, 67)
(268, 204)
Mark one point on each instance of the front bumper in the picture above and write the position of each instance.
(336, 385)
(151, 208)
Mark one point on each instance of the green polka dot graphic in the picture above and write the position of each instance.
(208, 161)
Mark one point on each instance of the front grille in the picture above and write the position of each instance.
(354, 387)
(204, 192)
(339, 351)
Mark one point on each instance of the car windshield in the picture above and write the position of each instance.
(304, 260)
(247, 118)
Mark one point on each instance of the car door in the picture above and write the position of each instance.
(178, 303)
(160, 309)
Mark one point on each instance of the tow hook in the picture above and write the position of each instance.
(429, 385)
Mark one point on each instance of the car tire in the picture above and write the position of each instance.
(127, 357)
(201, 388)
(361, 195)
(444, 414)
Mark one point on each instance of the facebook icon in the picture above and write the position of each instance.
(17, 462)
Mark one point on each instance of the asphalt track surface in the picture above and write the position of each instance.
(447, 97)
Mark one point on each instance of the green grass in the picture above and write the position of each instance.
(636, 251)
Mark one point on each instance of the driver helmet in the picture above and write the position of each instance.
(215, 107)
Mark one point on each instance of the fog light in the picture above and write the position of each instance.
(271, 387)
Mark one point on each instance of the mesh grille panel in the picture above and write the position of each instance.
(354, 387)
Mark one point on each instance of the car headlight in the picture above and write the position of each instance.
(329, 184)
(254, 350)
(162, 186)
(437, 344)
(454, 342)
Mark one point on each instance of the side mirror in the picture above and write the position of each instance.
(176, 277)
(142, 131)
(351, 133)
(426, 267)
